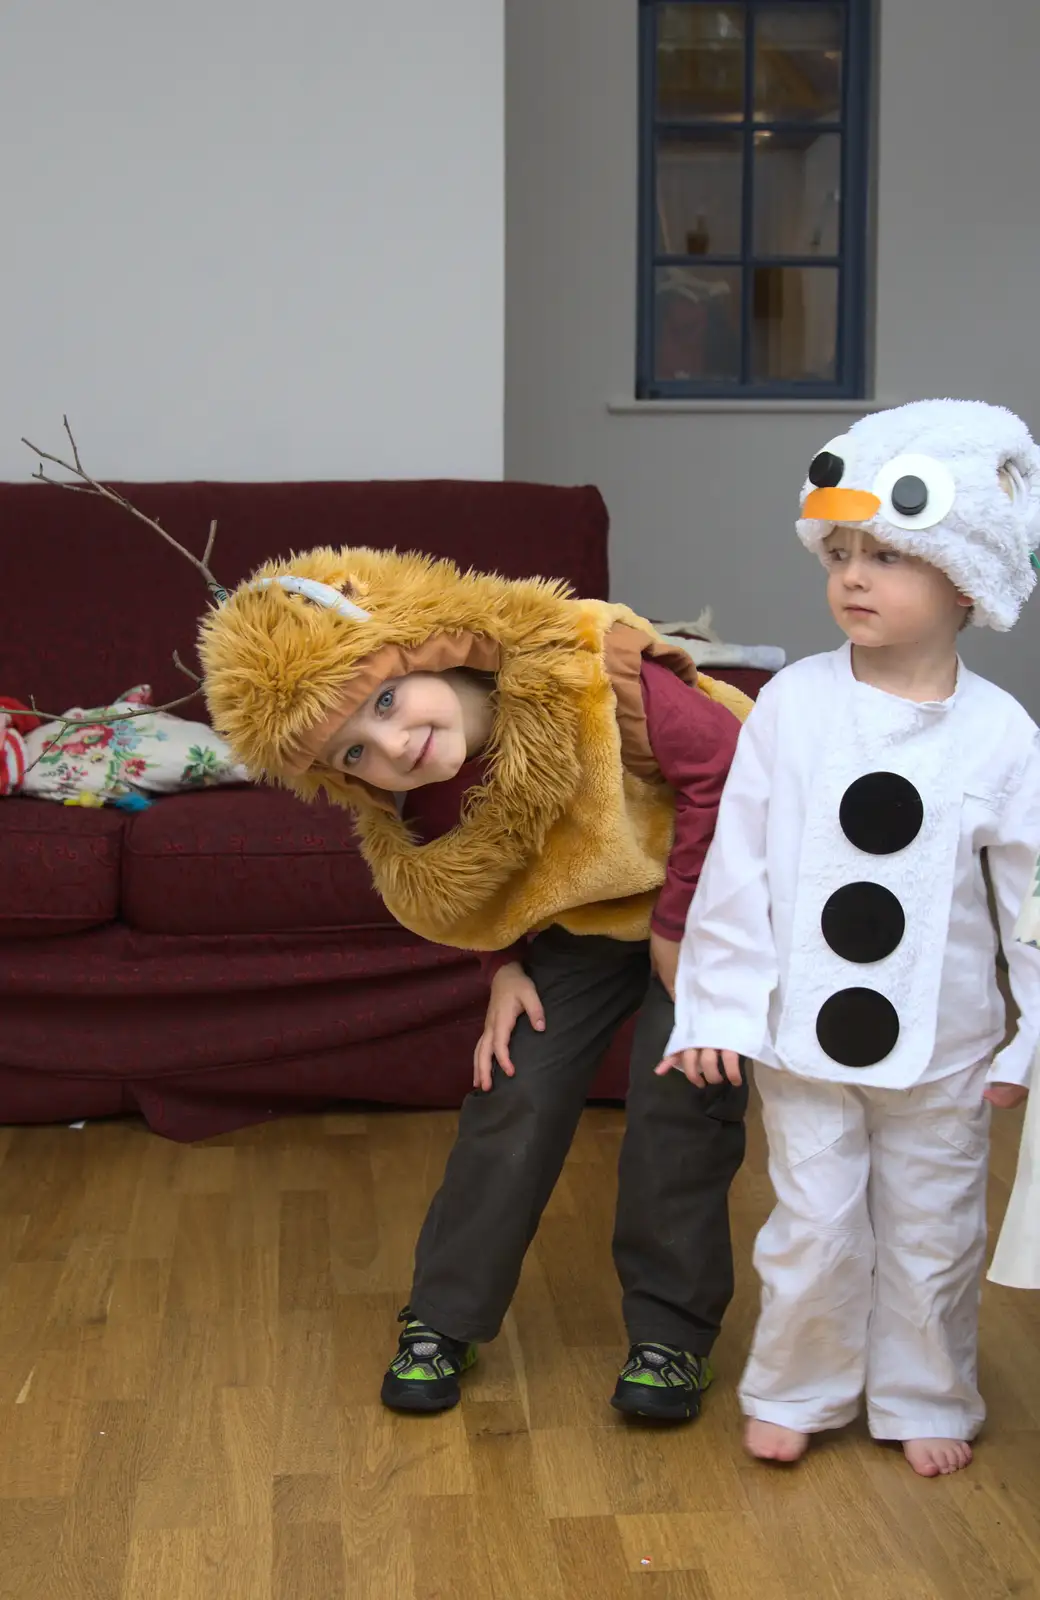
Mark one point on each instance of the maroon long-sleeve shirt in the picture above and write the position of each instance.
(692, 739)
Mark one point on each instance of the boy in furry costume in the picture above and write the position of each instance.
(535, 778)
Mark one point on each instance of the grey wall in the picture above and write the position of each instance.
(703, 501)
(246, 239)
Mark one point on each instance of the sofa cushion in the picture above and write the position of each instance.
(245, 861)
(59, 867)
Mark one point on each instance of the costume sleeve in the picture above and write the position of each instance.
(693, 740)
(1012, 853)
(728, 961)
(492, 960)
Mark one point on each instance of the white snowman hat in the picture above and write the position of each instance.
(954, 482)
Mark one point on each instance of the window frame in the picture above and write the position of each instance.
(850, 260)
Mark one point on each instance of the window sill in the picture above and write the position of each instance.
(774, 407)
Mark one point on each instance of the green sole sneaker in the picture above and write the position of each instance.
(662, 1383)
(424, 1375)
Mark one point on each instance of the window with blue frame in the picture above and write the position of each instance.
(753, 205)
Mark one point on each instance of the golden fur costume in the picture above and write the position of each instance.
(572, 824)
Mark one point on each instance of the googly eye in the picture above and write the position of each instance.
(915, 491)
(829, 465)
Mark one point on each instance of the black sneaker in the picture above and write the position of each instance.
(424, 1374)
(662, 1382)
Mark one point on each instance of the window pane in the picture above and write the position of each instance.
(797, 189)
(697, 319)
(700, 178)
(794, 324)
(700, 63)
(798, 63)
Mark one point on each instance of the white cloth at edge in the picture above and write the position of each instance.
(871, 1262)
(1016, 1260)
(706, 654)
(735, 970)
(709, 650)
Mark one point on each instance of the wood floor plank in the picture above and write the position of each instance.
(591, 1559)
(98, 1525)
(377, 1503)
(308, 1562)
(449, 1549)
(180, 1484)
(306, 1431)
(30, 1536)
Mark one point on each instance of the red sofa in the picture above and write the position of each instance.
(220, 958)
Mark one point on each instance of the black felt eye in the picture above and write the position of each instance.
(857, 1027)
(910, 495)
(826, 470)
(881, 813)
(863, 922)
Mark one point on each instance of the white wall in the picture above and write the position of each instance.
(246, 239)
(703, 503)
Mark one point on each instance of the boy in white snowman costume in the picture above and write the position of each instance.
(841, 936)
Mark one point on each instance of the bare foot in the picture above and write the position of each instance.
(769, 1442)
(935, 1458)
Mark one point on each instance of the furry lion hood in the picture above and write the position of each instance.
(282, 670)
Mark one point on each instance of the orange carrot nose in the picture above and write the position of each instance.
(841, 505)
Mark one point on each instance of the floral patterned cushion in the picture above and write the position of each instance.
(151, 753)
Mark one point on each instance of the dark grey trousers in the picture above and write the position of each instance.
(681, 1151)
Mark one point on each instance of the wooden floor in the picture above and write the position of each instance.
(191, 1343)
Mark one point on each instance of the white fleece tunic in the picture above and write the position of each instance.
(766, 969)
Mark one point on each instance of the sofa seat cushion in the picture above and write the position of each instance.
(240, 861)
(59, 867)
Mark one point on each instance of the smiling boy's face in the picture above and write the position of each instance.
(880, 597)
(410, 732)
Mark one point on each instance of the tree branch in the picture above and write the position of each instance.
(65, 723)
(89, 485)
(179, 664)
(101, 721)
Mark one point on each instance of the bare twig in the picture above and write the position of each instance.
(89, 485)
(102, 721)
(65, 723)
(45, 751)
(75, 451)
(179, 664)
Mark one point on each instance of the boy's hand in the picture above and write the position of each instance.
(704, 1066)
(512, 992)
(1005, 1095)
(664, 959)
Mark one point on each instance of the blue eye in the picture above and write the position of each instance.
(384, 700)
(353, 755)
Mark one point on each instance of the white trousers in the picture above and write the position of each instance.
(871, 1263)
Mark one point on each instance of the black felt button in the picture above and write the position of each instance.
(863, 922)
(910, 495)
(881, 813)
(825, 470)
(857, 1027)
